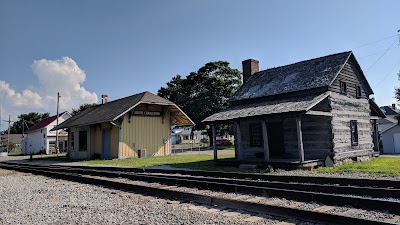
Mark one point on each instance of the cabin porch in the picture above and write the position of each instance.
(283, 140)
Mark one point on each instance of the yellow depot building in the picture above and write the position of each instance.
(134, 126)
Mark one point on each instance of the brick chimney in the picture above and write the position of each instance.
(104, 99)
(250, 66)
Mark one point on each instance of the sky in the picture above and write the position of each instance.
(84, 49)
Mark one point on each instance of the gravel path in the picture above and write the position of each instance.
(30, 199)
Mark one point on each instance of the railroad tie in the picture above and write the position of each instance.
(324, 208)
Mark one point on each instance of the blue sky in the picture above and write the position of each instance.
(87, 48)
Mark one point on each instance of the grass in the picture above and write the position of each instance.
(382, 166)
(14, 153)
(196, 162)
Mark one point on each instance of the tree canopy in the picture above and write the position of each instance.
(204, 92)
(30, 119)
(82, 107)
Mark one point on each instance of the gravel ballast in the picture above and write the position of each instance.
(31, 199)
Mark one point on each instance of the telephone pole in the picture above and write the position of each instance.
(58, 103)
(8, 137)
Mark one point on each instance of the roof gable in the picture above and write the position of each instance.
(360, 76)
(304, 75)
(45, 122)
(113, 110)
(388, 110)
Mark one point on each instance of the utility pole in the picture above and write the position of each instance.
(23, 127)
(58, 103)
(8, 137)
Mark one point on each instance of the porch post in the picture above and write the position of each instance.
(238, 140)
(376, 137)
(265, 137)
(214, 132)
(299, 139)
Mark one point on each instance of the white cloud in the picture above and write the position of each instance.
(62, 75)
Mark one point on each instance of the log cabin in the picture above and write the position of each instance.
(314, 110)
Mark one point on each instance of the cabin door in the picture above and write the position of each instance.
(396, 141)
(275, 139)
(106, 144)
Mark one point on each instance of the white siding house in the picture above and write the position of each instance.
(39, 138)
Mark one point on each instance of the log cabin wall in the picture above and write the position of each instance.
(317, 137)
(353, 78)
(345, 109)
(250, 152)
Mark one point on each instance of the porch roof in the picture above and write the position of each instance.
(301, 103)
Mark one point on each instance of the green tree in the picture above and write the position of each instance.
(204, 92)
(11, 146)
(30, 119)
(82, 107)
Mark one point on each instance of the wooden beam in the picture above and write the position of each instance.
(376, 136)
(265, 137)
(238, 140)
(318, 113)
(214, 133)
(300, 139)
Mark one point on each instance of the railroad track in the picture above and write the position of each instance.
(304, 192)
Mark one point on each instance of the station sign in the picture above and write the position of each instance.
(146, 113)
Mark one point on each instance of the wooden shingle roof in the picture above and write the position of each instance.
(113, 110)
(300, 103)
(304, 75)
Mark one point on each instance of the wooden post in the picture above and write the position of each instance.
(376, 137)
(214, 132)
(300, 139)
(58, 104)
(265, 137)
(238, 140)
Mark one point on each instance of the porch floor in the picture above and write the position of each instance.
(274, 162)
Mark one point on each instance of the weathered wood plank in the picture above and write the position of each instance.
(299, 139)
(266, 147)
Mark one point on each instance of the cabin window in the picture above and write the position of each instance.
(354, 132)
(83, 140)
(343, 88)
(358, 91)
(255, 134)
(72, 141)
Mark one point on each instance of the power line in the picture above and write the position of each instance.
(381, 56)
(386, 76)
(375, 42)
(377, 52)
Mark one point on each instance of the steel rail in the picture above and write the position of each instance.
(361, 182)
(305, 196)
(280, 211)
(373, 192)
